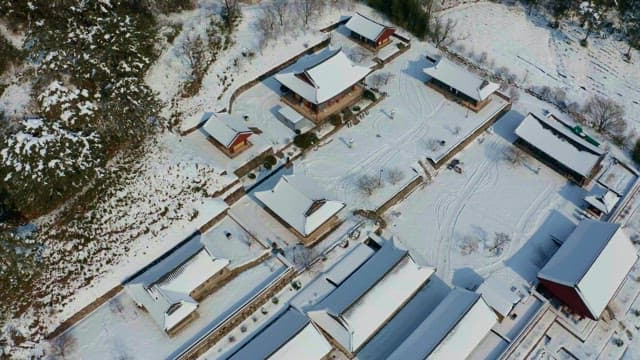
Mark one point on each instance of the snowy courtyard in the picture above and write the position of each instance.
(452, 222)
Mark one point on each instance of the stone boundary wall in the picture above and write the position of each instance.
(205, 343)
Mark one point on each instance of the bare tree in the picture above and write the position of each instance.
(302, 256)
(231, 11)
(192, 49)
(380, 78)
(266, 26)
(442, 31)
(280, 8)
(368, 184)
(307, 8)
(605, 115)
(500, 241)
(433, 144)
(394, 175)
(469, 245)
(358, 55)
(515, 156)
(514, 94)
(63, 345)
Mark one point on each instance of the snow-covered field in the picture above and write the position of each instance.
(539, 55)
(451, 223)
(172, 190)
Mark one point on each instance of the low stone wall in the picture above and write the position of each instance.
(253, 163)
(400, 195)
(216, 335)
(65, 325)
(209, 224)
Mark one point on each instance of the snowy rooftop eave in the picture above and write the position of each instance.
(454, 328)
(556, 141)
(225, 128)
(595, 259)
(370, 296)
(329, 77)
(290, 200)
(366, 27)
(461, 79)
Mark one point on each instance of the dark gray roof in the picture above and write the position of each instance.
(273, 337)
(356, 285)
(436, 326)
(578, 252)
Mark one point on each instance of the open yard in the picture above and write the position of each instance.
(539, 55)
(452, 222)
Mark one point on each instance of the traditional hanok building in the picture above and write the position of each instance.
(590, 266)
(601, 201)
(367, 299)
(291, 336)
(228, 133)
(559, 146)
(459, 83)
(369, 32)
(170, 289)
(296, 202)
(452, 331)
(327, 85)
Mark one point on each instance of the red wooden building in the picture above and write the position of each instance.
(590, 266)
(228, 133)
(369, 32)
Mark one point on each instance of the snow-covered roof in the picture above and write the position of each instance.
(193, 273)
(602, 199)
(307, 344)
(560, 143)
(225, 128)
(461, 79)
(366, 27)
(164, 288)
(454, 328)
(289, 336)
(296, 202)
(290, 114)
(357, 309)
(328, 76)
(594, 259)
(498, 295)
(349, 264)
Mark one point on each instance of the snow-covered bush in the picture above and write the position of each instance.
(44, 162)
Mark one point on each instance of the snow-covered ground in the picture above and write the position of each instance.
(452, 222)
(120, 329)
(396, 134)
(539, 55)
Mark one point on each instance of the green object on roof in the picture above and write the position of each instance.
(578, 130)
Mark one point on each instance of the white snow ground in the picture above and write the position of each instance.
(488, 197)
(539, 55)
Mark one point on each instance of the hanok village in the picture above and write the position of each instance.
(297, 263)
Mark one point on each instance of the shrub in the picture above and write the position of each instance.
(356, 108)
(636, 152)
(271, 160)
(400, 45)
(335, 120)
(348, 114)
(275, 300)
(305, 140)
(369, 95)
(251, 176)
